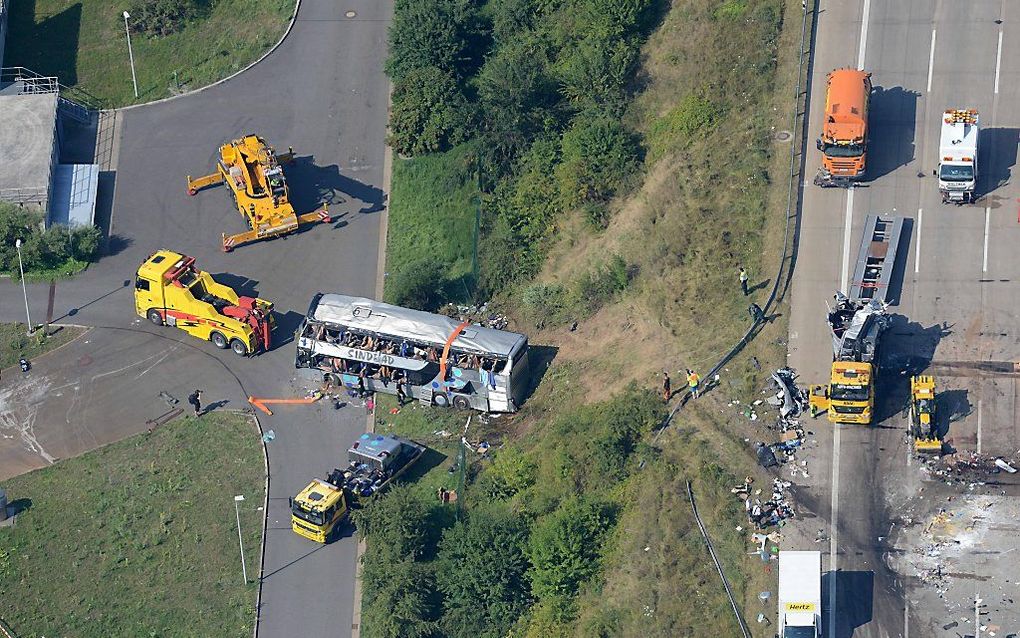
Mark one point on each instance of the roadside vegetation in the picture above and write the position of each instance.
(137, 538)
(178, 45)
(15, 342)
(54, 253)
(626, 167)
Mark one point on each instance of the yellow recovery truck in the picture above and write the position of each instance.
(253, 172)
(923, 424)
(170, 290)
(374, 460)
(857, 322)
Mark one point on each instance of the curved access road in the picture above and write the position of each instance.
(323, 92)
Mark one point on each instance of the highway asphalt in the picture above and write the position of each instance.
(955, 296)
(323, 92)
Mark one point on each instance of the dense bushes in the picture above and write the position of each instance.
(55, 249)
(162, 17)
(429, 113)
(532, 540)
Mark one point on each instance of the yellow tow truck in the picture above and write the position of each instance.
(923, 424)
(253, 172)
(318, 510)
(171, 291)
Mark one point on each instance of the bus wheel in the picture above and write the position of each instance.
(155, 317)
(238, 347)
(461, 403)
(218, 340)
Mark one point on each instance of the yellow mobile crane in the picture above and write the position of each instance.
(253, 172)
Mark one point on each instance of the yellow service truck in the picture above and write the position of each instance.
(170, 290)
(373, 461)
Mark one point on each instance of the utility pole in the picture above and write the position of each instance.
(240, 543)
(24, 290)
(131, 55)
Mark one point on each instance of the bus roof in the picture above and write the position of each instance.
(369, 315)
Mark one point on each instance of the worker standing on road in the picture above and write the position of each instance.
(743, 281)
(692, 382)
(667, 387)
(195, 399)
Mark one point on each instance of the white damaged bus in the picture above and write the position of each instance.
(371, 346)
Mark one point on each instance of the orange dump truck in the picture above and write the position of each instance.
(844, 138)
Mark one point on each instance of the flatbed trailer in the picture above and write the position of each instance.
(876, 258)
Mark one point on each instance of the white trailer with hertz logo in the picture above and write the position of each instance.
(800, 594)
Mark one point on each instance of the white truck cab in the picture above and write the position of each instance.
(958, 156)
(800, 594)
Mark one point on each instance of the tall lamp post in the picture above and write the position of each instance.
(131, 55)
(24, 290)
(244, 570)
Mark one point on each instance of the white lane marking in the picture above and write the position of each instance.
(979, 428)
(906, 621)
(864, 35)
(998, 61)
(931, 59)
(917, 251)
(847, 224)
(984, 259)
(834, 522)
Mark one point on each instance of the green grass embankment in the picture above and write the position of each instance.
(83, 43)
(138, 538)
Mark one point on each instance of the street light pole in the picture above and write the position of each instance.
(24, 290)
(131, 55)
(244, 570)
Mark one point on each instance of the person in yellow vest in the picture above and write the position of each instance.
(743, 281)
(692, 382)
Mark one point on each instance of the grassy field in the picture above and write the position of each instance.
(15, 342)
(432, 215)
(137, 538)
(83, 43)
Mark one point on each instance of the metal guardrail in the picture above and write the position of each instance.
(4, 627)
(810, 7)
(718, 566)
(73, 101)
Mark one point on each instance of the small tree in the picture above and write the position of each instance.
(564, 549)
(429, 112)
(429, 33)
(420, 284)
(599, 155)
(481, 570)
(162, 17)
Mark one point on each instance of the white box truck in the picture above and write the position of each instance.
(958, 156)
(800, 594)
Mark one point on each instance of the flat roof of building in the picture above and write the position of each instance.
(28, 125)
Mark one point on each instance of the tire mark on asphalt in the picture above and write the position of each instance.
(19, 407)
